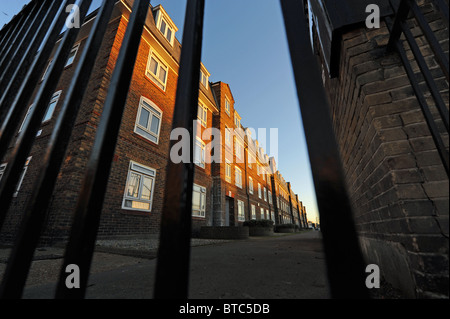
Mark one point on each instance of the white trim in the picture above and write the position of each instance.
(162, 64)
(148, 172)
(138, 126)
(236, 170)
(202, 154)
(202, 191)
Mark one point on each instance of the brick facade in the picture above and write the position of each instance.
(124, 212)
(396, 181)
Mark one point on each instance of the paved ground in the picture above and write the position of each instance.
(281, 267)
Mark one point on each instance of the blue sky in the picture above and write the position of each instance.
(244, 45)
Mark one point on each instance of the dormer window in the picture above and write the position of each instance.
(203, 79)
(166, 30)
(164, 24)
(237, 121)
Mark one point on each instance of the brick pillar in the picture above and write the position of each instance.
(396, 181)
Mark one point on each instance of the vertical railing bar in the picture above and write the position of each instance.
(440, 57)
(172, 271)
(5, 38)
(440, 105)
(21, 256)
(13, 104)
(13, 38)
(21, 71)
(401, 15)
(30, 18)
(26, 137)
(80, 247)
(12, 64)
(423, 103)
(345, 264)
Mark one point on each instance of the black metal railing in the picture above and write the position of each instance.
(399, 26)
(40, 24)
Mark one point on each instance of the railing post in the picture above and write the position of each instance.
(345, 264)
(172, 275)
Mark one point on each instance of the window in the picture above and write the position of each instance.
(251, 160)
(70, 60)
(253, 212)
(22, 176)
(269, 193)
(239, 150)
(237, 121)
(157, 71)
(51, 107)
(72, 55)
(228, 171)
(265, 194)
(238, 175)
(250, 185)
(48, 114)
(204, 79)
(24, 171)
(259, 190)
(227, 106)
(148, 121)
(227, 136)
(199, 153)
(241, 213)
(262, 213)
(139, 188)
(198, 201)
(202, 114)
(166, 30)
(2, 170)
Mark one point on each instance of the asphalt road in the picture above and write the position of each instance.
(282, 267)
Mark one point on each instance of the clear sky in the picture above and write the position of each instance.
(244, 45)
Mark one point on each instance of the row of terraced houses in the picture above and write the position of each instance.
(243, 185)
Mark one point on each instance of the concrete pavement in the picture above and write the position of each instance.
(281, 267)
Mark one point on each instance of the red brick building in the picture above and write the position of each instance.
(233, 181)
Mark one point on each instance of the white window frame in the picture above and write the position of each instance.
(238, 176)
(53, 103)
(204, 79)
(239, 149)
(200, 145)
(70, 60)
(202, 211)
(237, 121)
(202, 114)
(241, 210)
(2, 169)
(154, 111)
(262, 213)
(161, 64)
(253, 212)
(269, 194)
(48, 113)
(250, 185)
(25, 168)
(143, 171)
(228, 171)
(165, 33)
(227, 136)
(265, 194)
(227, 106)
(259, 191)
